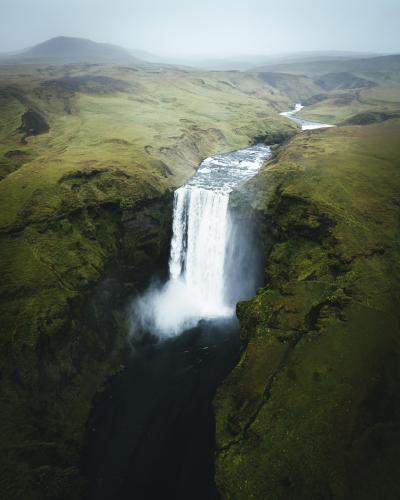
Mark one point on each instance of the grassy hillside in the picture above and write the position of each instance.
(337, 107)
(149, 115)
(297, 87)
(87, 156)
(312, 409)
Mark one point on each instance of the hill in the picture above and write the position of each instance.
(311, 411)
(379, 69)
(69, 49)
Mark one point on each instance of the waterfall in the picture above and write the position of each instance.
(198, 286)
(198, 245)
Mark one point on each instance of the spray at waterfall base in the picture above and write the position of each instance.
(212, 262)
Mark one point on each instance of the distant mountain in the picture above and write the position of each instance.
(377, 68)
(250, 61)
(314, 56)
(143, 55)
(64, 49)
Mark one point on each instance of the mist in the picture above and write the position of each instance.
(210, 28)
(214, 261)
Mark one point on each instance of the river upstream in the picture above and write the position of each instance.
(152, 434)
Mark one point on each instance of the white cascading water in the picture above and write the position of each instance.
(305, 124)
(198, 245)
(197, 285)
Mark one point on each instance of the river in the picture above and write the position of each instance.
(304, 124)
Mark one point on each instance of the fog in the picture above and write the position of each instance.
(212, 27)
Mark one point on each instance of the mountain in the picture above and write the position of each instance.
(244, 62)
(379, 67)
(64, 49)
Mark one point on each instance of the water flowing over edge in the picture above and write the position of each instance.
(201, 283)
(203, 231)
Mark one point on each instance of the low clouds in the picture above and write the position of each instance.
(218, 27)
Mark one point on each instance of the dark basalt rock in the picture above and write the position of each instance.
(274, 137)
(33, 123)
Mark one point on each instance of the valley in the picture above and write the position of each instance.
(90, 154)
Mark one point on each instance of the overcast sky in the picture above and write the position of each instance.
(218, 27)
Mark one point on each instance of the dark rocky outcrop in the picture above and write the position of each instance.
(33, 123)
(369, 117)
(274, 137)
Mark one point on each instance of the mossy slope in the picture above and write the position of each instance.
(312, 410)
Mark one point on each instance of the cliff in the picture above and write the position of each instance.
(312, 409)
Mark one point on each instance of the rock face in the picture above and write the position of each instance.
(33, 123)
(312, 410)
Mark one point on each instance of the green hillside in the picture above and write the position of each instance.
(336, 107)
(89, 156)
(312, 409)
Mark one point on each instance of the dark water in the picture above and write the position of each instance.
(151, 436)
